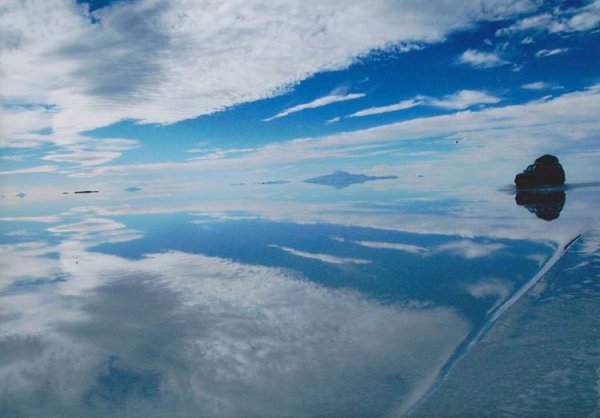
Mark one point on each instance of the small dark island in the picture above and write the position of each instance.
(545, 171)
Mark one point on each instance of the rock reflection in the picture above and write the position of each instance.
(545, 205)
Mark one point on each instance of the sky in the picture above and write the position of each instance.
(150, 92)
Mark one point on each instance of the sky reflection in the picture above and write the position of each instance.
(344, 307)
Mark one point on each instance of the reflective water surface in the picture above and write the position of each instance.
(300, 300)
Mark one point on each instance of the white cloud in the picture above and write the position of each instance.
(559, 20)
(42, 219)
(549, 52)
(405, 104)
(322, 101)
(587, 18)
(464, 99)
(92, 152)
(82, 151)
(470, 249)
(88, 226)
(590, 244)
(20, 125)
(29, 170)
(462, 248)
(98, 230)
(541, 21)
(83, 157)
(414, 249)
(537, 85)
(217, 153)
(25, 261)
(12, 158)
(325, 258)
(490, 287)
(458, 100)
(481, 59)
(158, 61)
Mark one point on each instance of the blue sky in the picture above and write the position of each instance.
(149, 90)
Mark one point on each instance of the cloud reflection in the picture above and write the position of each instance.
(176, 332)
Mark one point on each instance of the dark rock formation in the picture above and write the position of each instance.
(545, 205)
(545, 171)
(341, 179)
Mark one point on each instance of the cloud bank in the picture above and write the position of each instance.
(158, 61)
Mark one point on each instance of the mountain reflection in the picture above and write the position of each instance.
(545, 205)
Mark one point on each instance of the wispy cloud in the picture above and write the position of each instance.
(463, 99)
(414, 249)
(405, 104)
(28, 170)
(544, 20)
(490, 288)
(82, 157)
(322, 101)
(462, 248)
(549, 52)
(481, 59)
(470, 249)
(92, 152)
(42, 219)
(20, 125)
(325, 258)
(12, 158)
(217, 154)
(537, 85)
(96, 230)
(559, 20)
(459, 100)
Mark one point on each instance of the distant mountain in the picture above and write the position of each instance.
(341, 179)
(132, 189)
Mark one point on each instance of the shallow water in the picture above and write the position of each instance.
(293, 300)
